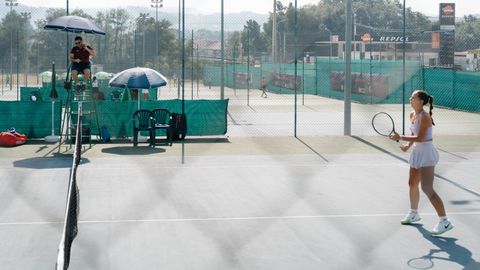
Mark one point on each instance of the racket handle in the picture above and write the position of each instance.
(393, 131)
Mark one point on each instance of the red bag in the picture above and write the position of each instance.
(12, 139)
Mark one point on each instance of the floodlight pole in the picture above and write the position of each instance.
(68, 57)
(234, 69)
(156, 4)
(330, 45)
(179, 45)
(295, 75)
(403, 72)
(183, 74)
(248, 66)
(192, 63)
(135, 47)
(274, 32)
(38, 62)
(26, 16)
(303, 79)
(183, 57)
(198, 73)
(144, 17)
(222, 76)
(11, 4)
(18, 48)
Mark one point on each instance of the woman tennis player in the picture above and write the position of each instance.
(422, 161)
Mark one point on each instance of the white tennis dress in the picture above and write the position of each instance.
(424, 154)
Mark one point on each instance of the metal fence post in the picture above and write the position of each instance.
(347, 128)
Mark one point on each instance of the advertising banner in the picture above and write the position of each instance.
(361, 83)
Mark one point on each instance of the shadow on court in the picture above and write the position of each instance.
(313, 150)
(133, 151)
(206, 140)
(446, 245)
(55, 162)
(464, 202)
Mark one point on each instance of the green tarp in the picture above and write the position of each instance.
(31, 118)
(204, 117)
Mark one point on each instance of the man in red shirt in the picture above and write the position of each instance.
(80, 57)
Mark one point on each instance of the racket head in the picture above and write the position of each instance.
(383, 124)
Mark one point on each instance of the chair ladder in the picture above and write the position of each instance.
(70, 116)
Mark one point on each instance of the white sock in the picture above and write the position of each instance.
(414, 211)
(443, 219)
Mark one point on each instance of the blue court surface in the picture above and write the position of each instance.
(328, 202)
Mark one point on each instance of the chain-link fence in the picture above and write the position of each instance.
(283, 71)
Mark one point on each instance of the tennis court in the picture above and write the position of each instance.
(243, 202)
(299, 181)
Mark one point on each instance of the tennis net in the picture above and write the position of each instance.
(72, 209)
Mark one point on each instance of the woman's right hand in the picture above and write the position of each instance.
(404, 147)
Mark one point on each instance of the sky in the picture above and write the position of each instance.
(428, 7)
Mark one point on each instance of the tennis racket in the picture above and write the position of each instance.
(383, 124)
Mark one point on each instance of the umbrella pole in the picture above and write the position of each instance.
(53, 118)
(52, 138)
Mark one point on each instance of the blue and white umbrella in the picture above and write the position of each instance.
(74, 24)
(138, 78)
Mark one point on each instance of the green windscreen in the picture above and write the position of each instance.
(31, 118)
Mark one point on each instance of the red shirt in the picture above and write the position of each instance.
(81, 53)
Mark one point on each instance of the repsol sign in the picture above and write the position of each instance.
(447, 13)
(393, 39)
(367, 37)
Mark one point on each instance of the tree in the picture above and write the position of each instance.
(257, 41)
(315, 22)
(467, 34)
(10, 26)
(167, 43)
(118, 22)
(51, 45)
(232, 46)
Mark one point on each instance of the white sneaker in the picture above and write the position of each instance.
(410, 218)
(441, 227)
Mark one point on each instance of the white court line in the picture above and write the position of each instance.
(279, 164)
(231, 218)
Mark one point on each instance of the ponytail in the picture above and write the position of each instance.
(430, 101)
(426, 98)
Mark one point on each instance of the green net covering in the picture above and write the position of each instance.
(31, 118)
(373, 81)
(43, 93)
(204, 117)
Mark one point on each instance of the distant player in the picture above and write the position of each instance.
(264, 87)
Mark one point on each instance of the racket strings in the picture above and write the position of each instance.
(383, 124)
